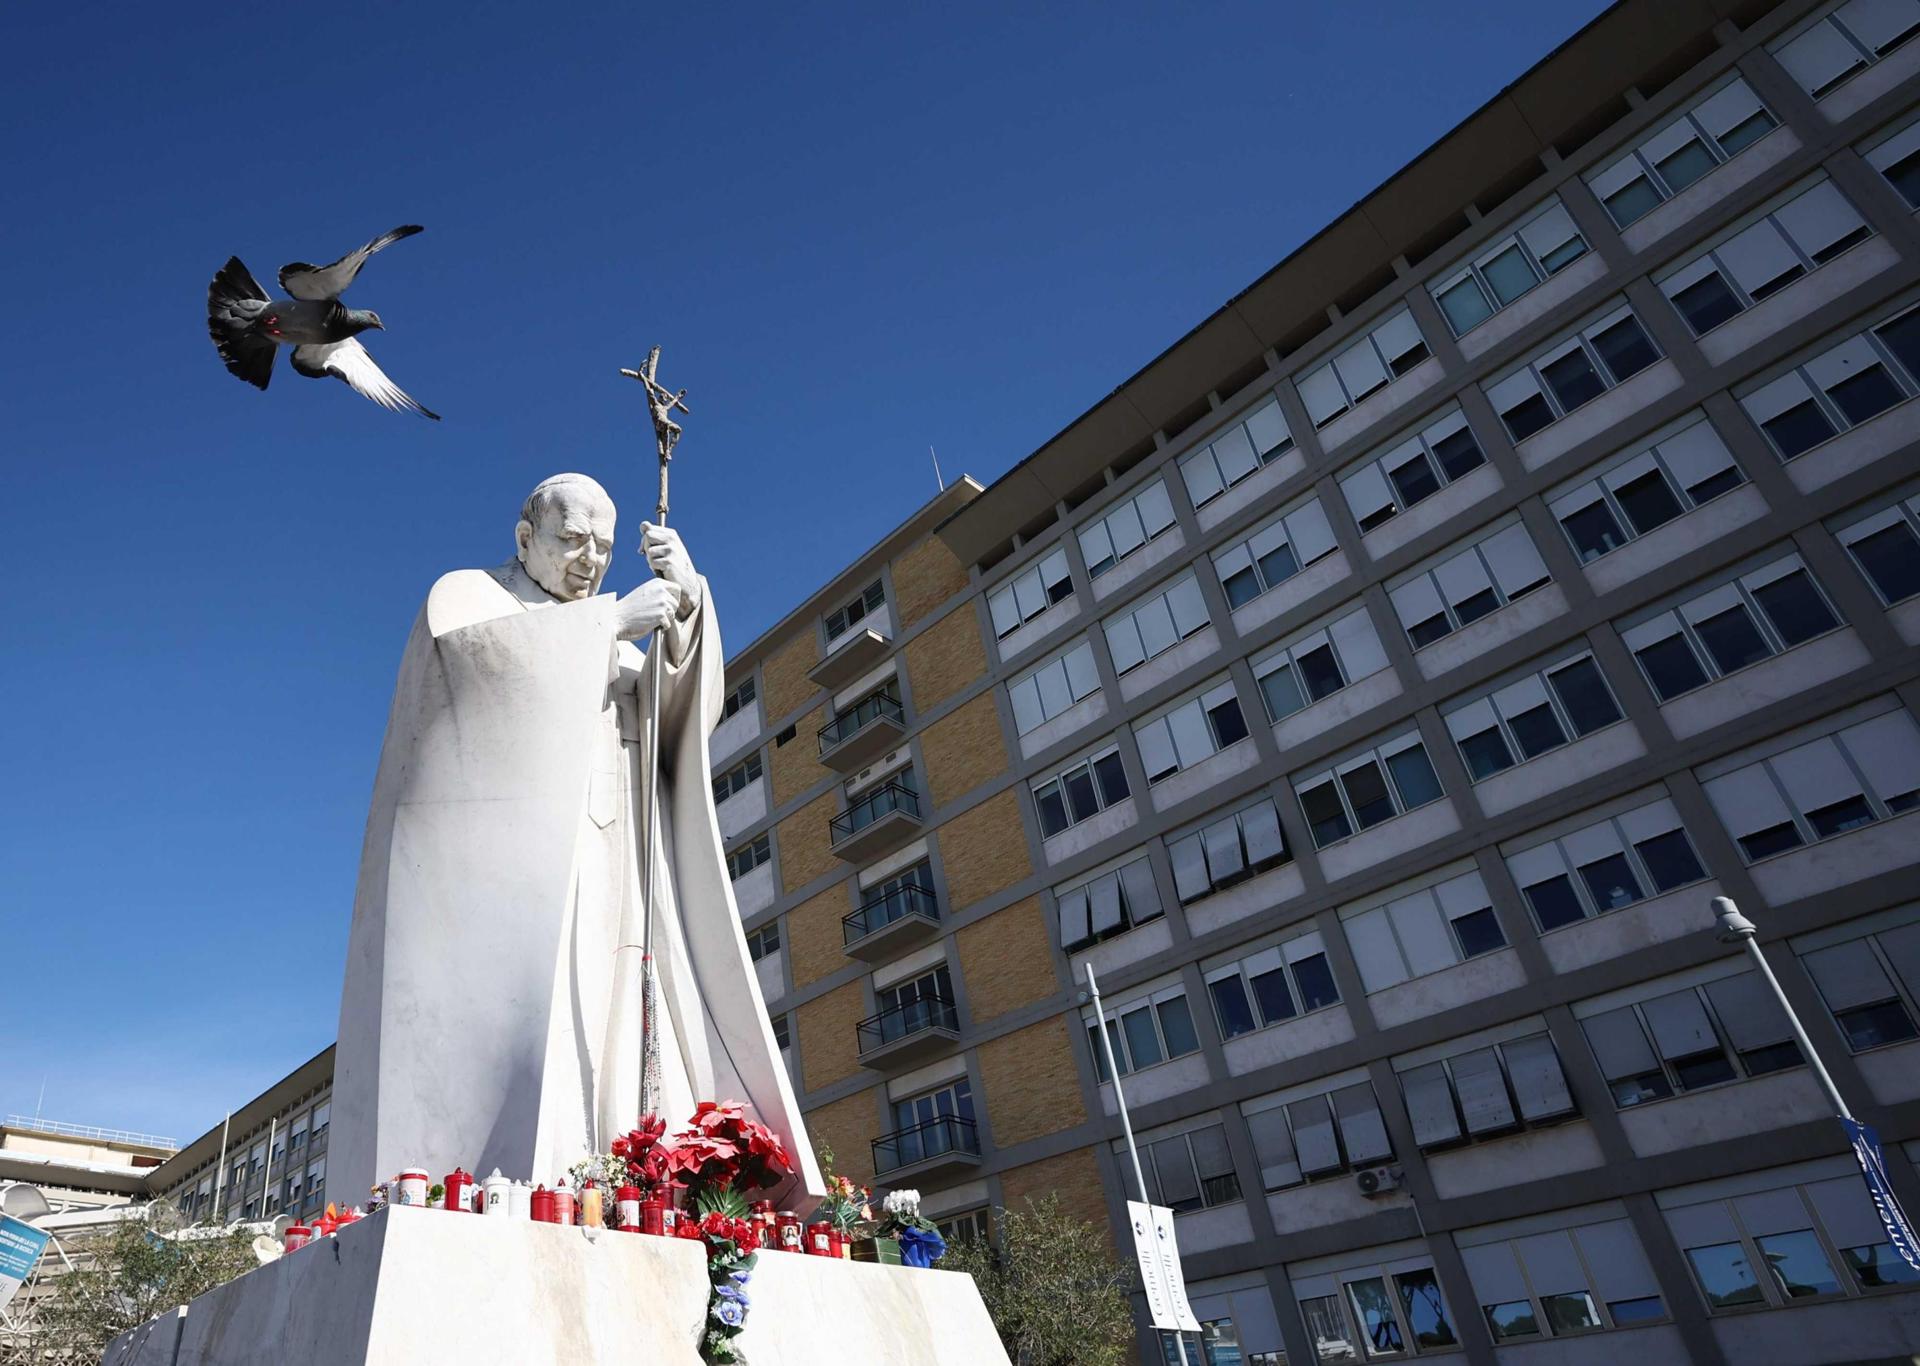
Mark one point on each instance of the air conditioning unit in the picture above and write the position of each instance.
(1377, 1181)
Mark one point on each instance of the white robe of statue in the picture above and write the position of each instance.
(481, 1024)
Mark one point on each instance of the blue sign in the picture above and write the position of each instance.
(1873, 1166)
(20, 1247)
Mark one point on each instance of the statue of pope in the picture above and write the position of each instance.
(491, 1012)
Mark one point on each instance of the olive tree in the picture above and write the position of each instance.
(1055, 1291)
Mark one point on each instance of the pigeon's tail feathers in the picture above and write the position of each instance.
(234, 301)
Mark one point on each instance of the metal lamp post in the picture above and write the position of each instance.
(1735, 928)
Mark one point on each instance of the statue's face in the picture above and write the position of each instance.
(568, 553)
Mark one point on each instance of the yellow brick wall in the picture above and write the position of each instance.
(796, 765)
(924, 577)
(946, 657)
(1073, 1176)
(963, 750)
(806, 850)
(1030, 1083)
(814, 938)
(984, 850)
(828, 1052)
(848, 1126)
(1006, 960)
(783, 677)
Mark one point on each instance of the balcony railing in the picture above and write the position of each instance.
(882, 801)
(904, 1021)
(943, 1136)
(888, 909)
(867, 710)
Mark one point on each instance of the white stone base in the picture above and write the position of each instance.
(416, 1286)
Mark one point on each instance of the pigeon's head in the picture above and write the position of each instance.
(565, 536)
(364, 320)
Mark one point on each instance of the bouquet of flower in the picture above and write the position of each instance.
(920, 1242)
(847, 1207)
(722, 1151)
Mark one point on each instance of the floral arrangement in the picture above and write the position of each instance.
(847, 1207)
(733, 1246)
(920, 1242)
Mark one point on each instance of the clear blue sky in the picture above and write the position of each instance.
(858, 230)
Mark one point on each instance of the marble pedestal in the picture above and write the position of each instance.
(421, 1287)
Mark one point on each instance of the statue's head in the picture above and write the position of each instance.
(565, 536)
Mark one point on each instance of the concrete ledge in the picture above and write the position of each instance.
(425, 1286)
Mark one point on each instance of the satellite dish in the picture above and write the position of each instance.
(24, 1201)
(267, 1249)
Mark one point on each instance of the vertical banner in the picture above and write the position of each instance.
(1155, 1248)
(1873, 1166)
(20, 1247)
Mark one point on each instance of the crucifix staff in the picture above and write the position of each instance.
(661, 403)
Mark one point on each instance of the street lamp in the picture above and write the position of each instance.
(1734, 928)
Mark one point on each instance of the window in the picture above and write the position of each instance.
(1029, 593)
(1156, 625)
(871, 599)
(928, 1125)
(1646, 490)
(1898, 159)
(1886, 547)
(1145, 1033)
(1788, 242)
(1275, 553)
(316, 1182)
(907, 892)
(1123, 529)
(1228, 851)
(1236, 453)
(1562, 1282)
(1606, 866)
(1840, 388)
(1372, 786)
(1486, 1092)
(1318, 665)
(1390, 1313)
(1086, 787)
(1533, 716)
(298, 1138)
(881, 702)
(1501, 273)
(1189, 1171)
(1108, 905)
(1272, 986)
(1365, 367)
(1712, 131)
(922, 1002)
(1568, 374)
(739, 698)
(749, 856)
(1778, 1242)
(1862, 773)
(1318, 1135)
(1845, 41)
(322, 1116)
(1468, 585)
(1423, 932)
(764, 941)
(782, 1032)
(1732, 1027)
(969, 1226)
(1043, 693)
(1712, 634)
(1871, 984)
(1383, 486)
(1196, 729)
(737, 778)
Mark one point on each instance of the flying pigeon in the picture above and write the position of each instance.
(248, 327)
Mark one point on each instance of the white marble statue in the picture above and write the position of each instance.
(483, 1022)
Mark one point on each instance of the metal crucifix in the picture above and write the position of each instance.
(661, 402)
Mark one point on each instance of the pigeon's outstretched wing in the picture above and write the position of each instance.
(234, 302)
(303, 281)
(348, 360)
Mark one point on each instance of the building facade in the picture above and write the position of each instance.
(1375, 690)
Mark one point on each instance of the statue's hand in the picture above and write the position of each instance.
(646, 609)
(667, 556)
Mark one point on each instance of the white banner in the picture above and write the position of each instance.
(1158, 1252)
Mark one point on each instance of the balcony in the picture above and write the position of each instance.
(858, 736)
(907, 1034)
(877, 824)
(857, 652)
(901, 919)
(946, 1143)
